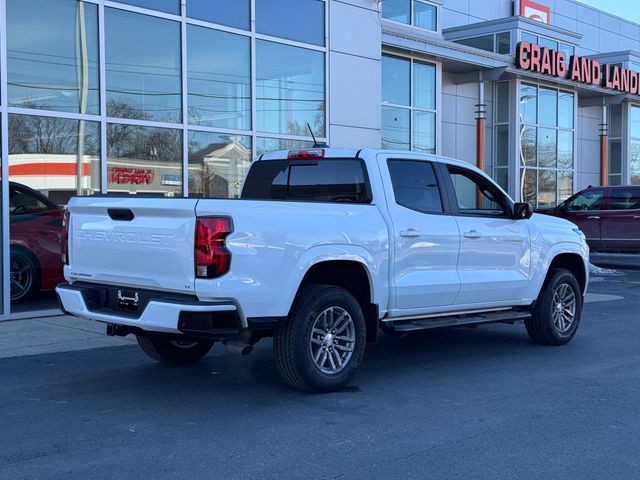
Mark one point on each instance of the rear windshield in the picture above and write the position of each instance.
(326, 180)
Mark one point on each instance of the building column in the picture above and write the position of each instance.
(604, 141)
(481, 111)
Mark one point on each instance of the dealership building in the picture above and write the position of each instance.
(174, 97)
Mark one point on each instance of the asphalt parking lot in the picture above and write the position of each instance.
(459, 403)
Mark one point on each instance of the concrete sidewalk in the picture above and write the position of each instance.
(37, 336)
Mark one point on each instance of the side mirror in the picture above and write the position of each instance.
(522, 211)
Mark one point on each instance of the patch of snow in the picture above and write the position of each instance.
(594, 270)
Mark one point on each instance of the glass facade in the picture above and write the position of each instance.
(418, 13)
(408, 104)
(546, 140)
(163, 97)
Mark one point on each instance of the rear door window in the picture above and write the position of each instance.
(326, 180)
(624, 199)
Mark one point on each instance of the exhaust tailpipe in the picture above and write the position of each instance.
(242, 348)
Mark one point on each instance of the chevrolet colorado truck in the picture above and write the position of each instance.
(324, 249)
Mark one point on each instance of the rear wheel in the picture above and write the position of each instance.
(180, 352)
(556, 316)
(323, 341)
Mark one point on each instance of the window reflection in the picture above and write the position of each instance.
(234, 13)
(395, 128)
(218, 164)
(219, 78)
(144, 160)
(300, 20)
(264, 144)
(169, 6)
(52, 55)
(290, 89)
(143, 67)
(396, 74)
(424, 131)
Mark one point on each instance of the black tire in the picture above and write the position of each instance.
(545, 326)
(24, 275)
(296, 343)
(178, 352)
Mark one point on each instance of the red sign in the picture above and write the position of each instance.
(535, 58)
(535, 11)
(135, 176)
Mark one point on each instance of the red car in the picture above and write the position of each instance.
(608, 216)
(35, 228)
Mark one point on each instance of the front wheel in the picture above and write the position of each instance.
(556, 316)
(323, 341)
(180, 352)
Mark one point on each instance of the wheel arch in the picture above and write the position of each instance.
(353, 276)
(572, 262)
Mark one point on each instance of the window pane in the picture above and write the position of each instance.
(56, 156)
(547, 148)
(169, 6)
(634, 163)
(565, 150)
(565, 185)
(547, 184)
(528, 144)
(52, 55)
(50, 160)
(528, 37)
(528, 104)
(272, 144)
(502, 102)
(424, 132)
(503, 42)
(502, 145)
(415, 185)
(395, 128)
(529, 187)
(635, 121)
(615, 157)
(565, 110)
(548, 107)
(219, 92)
(301, 20)
(545, 42)
(143, 67)
(144, 160)
(218, 164)
(397, 10)
(424, 86)
(234, 13)
(425, 15)
(395, 80)
(483, 43)
(289, 89)
(502, 178)
(615, 121)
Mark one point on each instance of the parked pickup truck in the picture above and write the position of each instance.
(325, 248)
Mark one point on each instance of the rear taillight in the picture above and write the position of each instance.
(211, 256)
(64, 238)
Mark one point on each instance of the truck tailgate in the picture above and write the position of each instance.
(141, 242)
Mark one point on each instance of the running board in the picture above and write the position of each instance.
(404, 326)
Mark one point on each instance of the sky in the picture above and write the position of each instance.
(628, 9)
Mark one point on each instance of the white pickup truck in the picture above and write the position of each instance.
(325, 248)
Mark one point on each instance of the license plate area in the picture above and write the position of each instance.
(128, 300)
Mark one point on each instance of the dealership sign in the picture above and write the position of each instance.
(535, 11)
(535, 58)
(131, 176)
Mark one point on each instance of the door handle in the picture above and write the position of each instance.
(593, 217)
(410, 233)
(636, 216)
(473, 234)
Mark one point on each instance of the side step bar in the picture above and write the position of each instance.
(404, 326)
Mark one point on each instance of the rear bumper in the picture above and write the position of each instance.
(160, 312)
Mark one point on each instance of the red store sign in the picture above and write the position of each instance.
(534, 58)
(135, 176)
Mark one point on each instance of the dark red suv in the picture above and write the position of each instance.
(608, 216)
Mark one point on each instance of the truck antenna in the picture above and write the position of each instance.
(315, 142)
